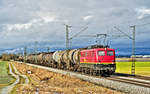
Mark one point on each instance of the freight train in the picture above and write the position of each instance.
(99, 60)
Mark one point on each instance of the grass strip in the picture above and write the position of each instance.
(5, 72)
(141, 68)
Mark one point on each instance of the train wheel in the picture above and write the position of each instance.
(110, 72)
(97, 72)
(83, 70)
(61, 67)
(75, 70)
(86, 70)
(94, 72)
(102, 72)
(91, 72)
(80, 69)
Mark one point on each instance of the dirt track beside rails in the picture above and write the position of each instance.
(45, 82)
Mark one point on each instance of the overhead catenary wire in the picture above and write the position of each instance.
(143, 24)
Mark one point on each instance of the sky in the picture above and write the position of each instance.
(24, 22)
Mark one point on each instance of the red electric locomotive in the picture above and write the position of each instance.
(101, 60)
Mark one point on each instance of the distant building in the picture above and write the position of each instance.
(141, 56)
(146, 56)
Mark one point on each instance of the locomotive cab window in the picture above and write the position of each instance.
(101, 53)
(110, 53)
(86, 54)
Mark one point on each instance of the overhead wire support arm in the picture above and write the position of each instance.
(78, 33)
(123, 33)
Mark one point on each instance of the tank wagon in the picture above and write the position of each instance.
(93, 60)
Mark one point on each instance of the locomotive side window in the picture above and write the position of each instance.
(110, 53)
(101, 53)
(92, 53)
(83, 54)
(86, 54)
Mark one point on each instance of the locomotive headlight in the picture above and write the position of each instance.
(99, 61)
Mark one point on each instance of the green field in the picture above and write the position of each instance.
(141, 68)
(5, 78)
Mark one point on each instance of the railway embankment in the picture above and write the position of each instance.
(43, 80)
(119, 85)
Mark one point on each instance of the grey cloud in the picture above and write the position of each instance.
(105, 15)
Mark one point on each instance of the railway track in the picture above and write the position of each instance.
(132, 76)
(134, 81)
(138, 80)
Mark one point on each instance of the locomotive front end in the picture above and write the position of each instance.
(105, 60)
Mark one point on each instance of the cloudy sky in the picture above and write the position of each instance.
(24, 22)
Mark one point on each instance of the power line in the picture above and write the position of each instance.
(143, 24)
(97, 36)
